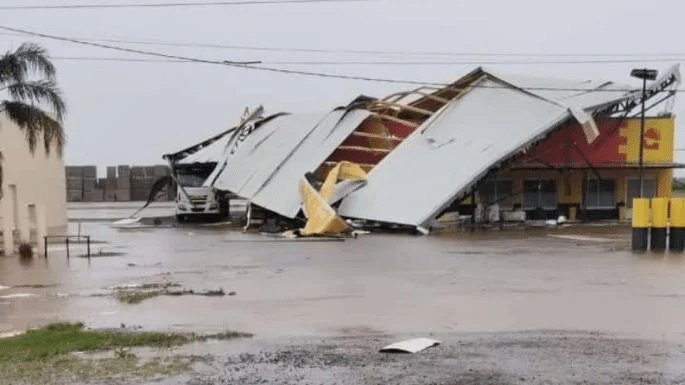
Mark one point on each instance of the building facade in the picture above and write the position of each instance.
(33, 200)
(567, 175)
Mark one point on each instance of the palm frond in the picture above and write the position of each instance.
(41, 92)
(14, 66)
(35, 58)
(36, 124)
(11, 69)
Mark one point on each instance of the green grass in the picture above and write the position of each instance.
(42, 356)
(62, 338)
(134, 297)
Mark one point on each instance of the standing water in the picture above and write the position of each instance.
(580, 278)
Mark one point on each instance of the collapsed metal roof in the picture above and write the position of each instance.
(423, 149)
(492, 118)
(207, 151)
(211, 150)
(265, 164)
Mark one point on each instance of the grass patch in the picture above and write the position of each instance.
(43, 356)
(62, 338)
(134, 297)
(222, 336)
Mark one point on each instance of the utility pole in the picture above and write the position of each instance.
(644, 74)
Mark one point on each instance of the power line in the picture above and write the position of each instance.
(164, 5)
(468, 62)
(224, 62)
(629, 57)
(249, 65)
(286, 62)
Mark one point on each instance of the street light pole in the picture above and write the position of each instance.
(644, 74)
(642, 136)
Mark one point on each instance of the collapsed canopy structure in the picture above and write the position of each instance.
(423, 149)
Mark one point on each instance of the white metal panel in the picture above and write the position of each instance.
(209, 154)
(449, 152)
(573, 93)
(267, 165)
(279, 193)
(262, 151)
(410, 346)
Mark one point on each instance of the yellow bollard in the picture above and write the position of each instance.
(659, 223)
(676, 241)
(641, 221)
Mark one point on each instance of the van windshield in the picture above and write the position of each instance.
(190, 180)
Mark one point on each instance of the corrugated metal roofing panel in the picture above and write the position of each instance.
(209, 154)
(573, 93)
(266, 166)
(449, 152)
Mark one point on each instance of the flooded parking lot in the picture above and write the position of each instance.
(579, 278)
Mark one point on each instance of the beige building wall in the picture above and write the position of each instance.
(33, 203)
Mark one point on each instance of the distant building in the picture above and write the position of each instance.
(33, 203)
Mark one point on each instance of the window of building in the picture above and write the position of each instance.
(600, 194)
(496, 191)
(540, 194)
(649, 186)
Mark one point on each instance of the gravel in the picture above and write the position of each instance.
(532, 357)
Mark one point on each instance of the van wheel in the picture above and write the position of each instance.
(181, 218)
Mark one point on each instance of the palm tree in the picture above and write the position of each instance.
(28, 76)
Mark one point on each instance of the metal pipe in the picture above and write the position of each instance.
(88, 241)
(45, 247)
(66, 241)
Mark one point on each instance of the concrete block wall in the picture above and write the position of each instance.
(122, 183)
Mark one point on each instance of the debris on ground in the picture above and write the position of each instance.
(410, 346)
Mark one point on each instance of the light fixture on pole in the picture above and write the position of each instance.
(644, 74)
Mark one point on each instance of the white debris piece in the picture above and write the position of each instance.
(410, 346)
(127, 222)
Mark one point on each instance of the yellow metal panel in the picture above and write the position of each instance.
(658, 139)
(678, 212)
(321, 219)
(660, 212)
(344, 170)
(641, 212)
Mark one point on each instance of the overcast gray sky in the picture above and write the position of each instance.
(126, 112)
